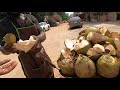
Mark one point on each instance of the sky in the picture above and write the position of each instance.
(69, 13)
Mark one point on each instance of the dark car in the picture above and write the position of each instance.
(75, 22)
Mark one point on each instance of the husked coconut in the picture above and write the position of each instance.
(110, 47)
(25, 45)
(96, 37)
(84, 67)
(82, 47)
(66, 66)
(107, 66)
(99, 48)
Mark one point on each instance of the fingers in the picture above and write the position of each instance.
(9, 66)
(4, 61)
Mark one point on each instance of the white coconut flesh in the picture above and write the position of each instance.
(25, 45)
(81, 45)
(99, 48)
(69, 44)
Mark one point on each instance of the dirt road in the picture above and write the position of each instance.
(54, 43)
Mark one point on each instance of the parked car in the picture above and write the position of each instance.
(75, 22)
(45, 26)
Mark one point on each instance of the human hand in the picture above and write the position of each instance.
(10, 48)
(6, 66)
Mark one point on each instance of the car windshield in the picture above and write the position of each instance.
(74, 18)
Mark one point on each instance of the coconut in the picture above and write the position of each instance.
(25, 45)
(84, 67)
(96, 37)
(111, 49)
(107, 66)
(91, 29)
(66, 66)
(117, 43)
(69, 44)
(114, 35)
(92, 54)
(82, 47)
(118, 52)
(99, 48)
(9, 38)
(104, 31)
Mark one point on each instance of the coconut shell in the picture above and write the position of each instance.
(84, 67)
(107, 66)
(66, 66)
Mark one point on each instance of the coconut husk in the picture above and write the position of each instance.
(111, 48)
(104, 31)
(66, 67)
(96, 37)
(84, 67)
(107, 66)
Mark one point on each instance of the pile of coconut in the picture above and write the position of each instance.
(94, 53)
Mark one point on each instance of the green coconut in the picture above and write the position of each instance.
(107, 66)
(104, 31)
(111, 48)
(93, 55)
(95, 37)
(91, 29)
(82, 47)
(66, 66)
(84, 67)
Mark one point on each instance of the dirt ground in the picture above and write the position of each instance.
(54, 43)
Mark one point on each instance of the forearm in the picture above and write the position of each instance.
(41, 37)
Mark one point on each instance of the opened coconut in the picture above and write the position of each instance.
(91, 29)
(96, 37)
(93, 55)
(84, 67)
(107, 66)
(66, 66)
(25, 45)
(104, 31)
(114, 35)
(82, 47)
(69, 44)
(111, 49)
